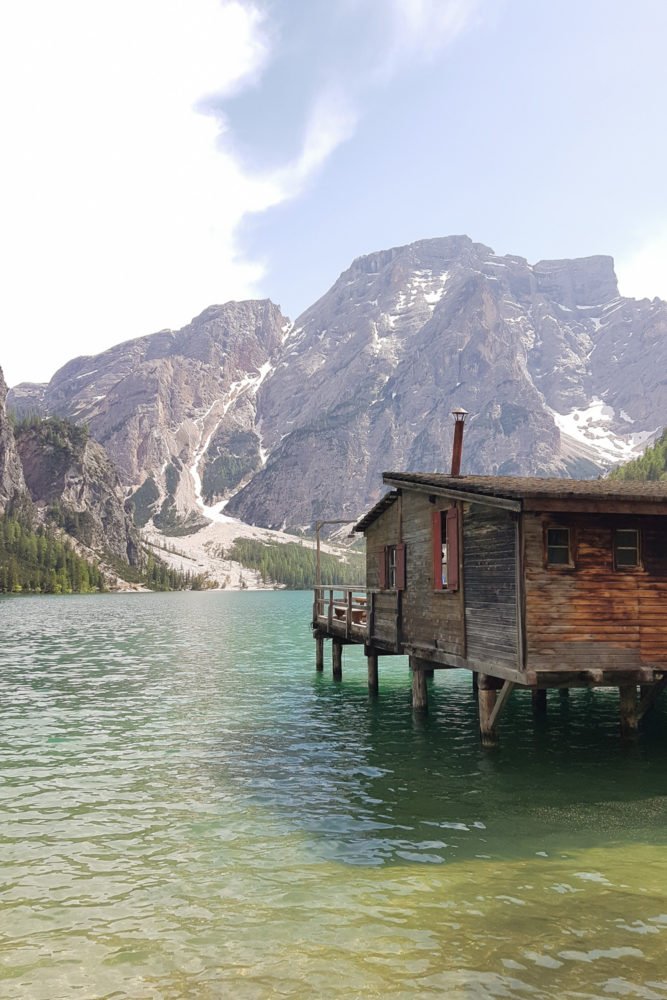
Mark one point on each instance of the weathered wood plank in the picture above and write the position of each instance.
(489, 566)
(609, 616)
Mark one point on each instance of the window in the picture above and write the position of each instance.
(391, 567)
(558, 547)
(626, 548)
(445, 533)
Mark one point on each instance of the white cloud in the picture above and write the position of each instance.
(333, 120)
(118, 208)
(119, 200)
(642, 272)
(420, 29)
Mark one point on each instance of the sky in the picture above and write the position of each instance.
(160, 156)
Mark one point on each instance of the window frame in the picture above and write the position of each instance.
(391, 567)
(445, 540)
(629, 567)
(559, 566)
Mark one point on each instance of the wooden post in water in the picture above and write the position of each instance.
(564, 693)
(539, 699)
(628, 711)
(419, 693)
(475, 684)
(337, 659)
(319, 653)
(486, 700)
(372, 661)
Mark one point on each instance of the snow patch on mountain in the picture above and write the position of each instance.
(590, 427)
(250, 384)
(387, 347)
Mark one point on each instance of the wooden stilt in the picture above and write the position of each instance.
(372, 661)
(487, 687)
(419, 693)
(501, 701)
(337, 659)
(487, 702)
(474, 681)
(564, 693)
(429, 672)
(539, 698)
(319, 653)
(628, 711)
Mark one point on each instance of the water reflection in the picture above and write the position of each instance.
(189, 811)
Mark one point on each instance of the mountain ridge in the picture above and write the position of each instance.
(286, 423)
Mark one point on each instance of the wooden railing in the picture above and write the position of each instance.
(342, 610)
(358, 614)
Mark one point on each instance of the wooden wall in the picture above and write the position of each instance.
(592, 616)
(430, 617)
(383, 531)
(490, 581)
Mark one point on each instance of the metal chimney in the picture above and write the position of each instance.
(459, 415)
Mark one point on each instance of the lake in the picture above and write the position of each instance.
(188, 810)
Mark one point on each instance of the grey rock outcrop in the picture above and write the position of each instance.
(560, 374)
(160, 402)
(11, 472)
(64, 467)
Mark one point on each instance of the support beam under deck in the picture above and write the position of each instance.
(372, 661)
(337, 659)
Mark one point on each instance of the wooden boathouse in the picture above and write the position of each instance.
(526, 582)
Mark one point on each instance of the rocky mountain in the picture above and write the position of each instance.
(71, 476)
(11, 472)
(287, 423)
(175, 411)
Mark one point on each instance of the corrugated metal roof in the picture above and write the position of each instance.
(517, 487)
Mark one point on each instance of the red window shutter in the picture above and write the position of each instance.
(453, 548)
(436, 532)
(400, 567)
(382, 568)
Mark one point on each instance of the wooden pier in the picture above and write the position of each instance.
(528, 583)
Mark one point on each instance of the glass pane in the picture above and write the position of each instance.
(559, 537)
(626, 547)
(558, 556)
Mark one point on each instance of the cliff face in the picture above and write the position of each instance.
(560, 374)
(66, 470)
(11, 473)
(291, 423)
(160, 403)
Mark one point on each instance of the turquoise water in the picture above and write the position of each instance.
(189, 811)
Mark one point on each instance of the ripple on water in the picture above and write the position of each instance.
(188, 809)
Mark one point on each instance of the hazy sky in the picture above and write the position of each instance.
(163, 155)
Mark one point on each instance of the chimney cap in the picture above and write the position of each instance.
(459, 414)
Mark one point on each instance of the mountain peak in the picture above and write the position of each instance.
(584, 281)
(560, 376)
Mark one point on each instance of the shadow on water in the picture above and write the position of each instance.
(370, 782)
(224, 687)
